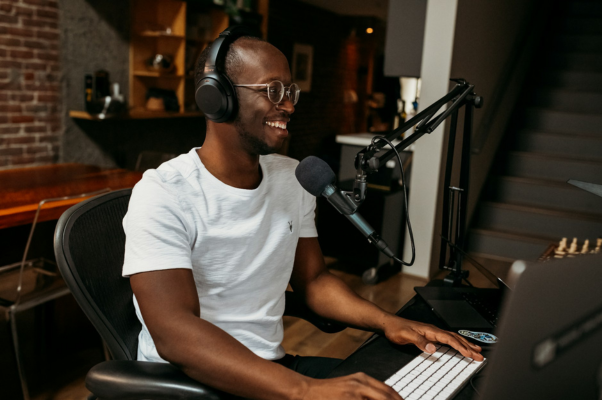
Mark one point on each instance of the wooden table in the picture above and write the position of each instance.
(22, 189)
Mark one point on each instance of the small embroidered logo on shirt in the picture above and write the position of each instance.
(290, 225)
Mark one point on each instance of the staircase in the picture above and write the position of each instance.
(527, 203)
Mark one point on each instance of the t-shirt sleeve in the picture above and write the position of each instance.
(156, 230)
(308, 223)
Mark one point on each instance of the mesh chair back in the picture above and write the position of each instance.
(89, 244)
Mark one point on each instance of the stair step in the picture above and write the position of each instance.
(570, 80)
(544, 119)
(578, 146)
(569, 100)
(580, 43)
(506, 245)
(585, 62)
(533, 221)
(581, 25)
(553, 168)
(546, 194)
(584, 9)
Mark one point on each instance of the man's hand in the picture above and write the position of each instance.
(357, 386)
(403, 331)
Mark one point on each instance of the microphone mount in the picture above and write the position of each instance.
(371, 158)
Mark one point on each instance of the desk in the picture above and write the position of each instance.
(379, 358)
(22, 189)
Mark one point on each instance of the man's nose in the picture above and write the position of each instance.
(286, 105)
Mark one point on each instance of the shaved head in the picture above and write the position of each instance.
(233, 64)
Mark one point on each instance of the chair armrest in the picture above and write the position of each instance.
(295, 307)
(132, 380)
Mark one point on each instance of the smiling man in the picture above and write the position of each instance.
(215, 236)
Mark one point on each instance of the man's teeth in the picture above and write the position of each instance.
(277, 124)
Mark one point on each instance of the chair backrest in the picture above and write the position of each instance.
(89, 244)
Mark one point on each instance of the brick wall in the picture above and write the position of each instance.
(30, 123)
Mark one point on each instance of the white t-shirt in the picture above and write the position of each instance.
(240, 244)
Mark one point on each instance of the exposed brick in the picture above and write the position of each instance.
(46, 159)
(3, 75)
(20, 32)
(21, 54)
(52, 4)
(39, 23)
(9, 19)
(22, 160)
(18, 119)
(50, 14)
(28, 76)
(38, 148)
(3, 96)
(10, 64)
(3, 119)
(3, 161)
(55, 68)
(6, 8)
(3, 53)
(48, 98)
(10, 108)
(21, 97)
(9, 129)
(11, 151)
(50, 119)
(43, 3)
(24, 11)
(36, 66)
(35, 44)
(6, 41)
(35, 129)
(47, 35)
(48, 139)
(22, 139)
(35, 108)
(47, 55)
(43, 87)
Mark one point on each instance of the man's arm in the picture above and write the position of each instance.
(331, 298)
(169, 304)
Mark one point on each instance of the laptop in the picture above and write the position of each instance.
(552, 335)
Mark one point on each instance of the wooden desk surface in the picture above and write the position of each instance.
(22, 189)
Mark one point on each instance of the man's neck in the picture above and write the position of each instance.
(231, 164)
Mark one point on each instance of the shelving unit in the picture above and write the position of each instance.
(159, 27)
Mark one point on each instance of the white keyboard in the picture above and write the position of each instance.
(437, 376)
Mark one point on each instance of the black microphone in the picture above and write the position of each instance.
(317, 178)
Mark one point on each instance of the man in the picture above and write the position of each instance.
(214, 237)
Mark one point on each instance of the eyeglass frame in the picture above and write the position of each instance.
(267, 85)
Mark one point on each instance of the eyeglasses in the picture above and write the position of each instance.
(276, 91)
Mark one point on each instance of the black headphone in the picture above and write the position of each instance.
(215, 94)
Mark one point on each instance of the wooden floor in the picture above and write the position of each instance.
(302, 338)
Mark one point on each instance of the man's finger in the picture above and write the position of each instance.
(377, 388)
(449, 339)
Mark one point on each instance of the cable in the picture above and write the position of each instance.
(405, 194)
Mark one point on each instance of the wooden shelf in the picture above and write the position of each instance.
(152, 74)
(159, 34)
(136, 114)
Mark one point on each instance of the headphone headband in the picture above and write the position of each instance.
(215, 94)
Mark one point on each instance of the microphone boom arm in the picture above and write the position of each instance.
(368, 161)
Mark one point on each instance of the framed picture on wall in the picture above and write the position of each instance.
(303, 55)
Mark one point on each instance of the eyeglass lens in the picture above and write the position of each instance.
(276, 92)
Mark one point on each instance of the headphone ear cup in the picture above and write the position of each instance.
(213, 99)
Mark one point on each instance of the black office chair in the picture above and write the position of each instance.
(89, 244)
